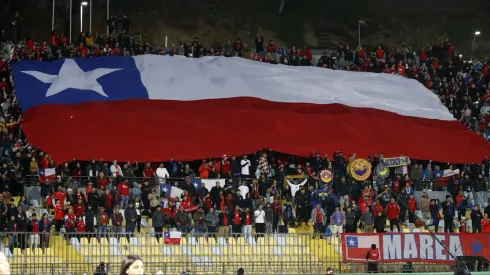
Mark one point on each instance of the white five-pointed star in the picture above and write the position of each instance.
(195, 184)
(165, 190)
(71, 76)
(352, 242)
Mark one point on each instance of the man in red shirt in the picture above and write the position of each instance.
(60, 195)
(247, 218)
(102, 221)
(70, 221)
(237, 221)
(225, 167)
(412, 207)
(123, 190)
(148, 172)
(102, 181)
(58, 216)
(393, 214)
(224, 223)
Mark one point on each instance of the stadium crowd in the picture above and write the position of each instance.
(101, 196)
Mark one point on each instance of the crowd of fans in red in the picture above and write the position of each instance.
(90, 197)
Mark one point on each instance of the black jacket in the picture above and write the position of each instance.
(235, 166)
(448, 209)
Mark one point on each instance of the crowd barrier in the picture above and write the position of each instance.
(78, 253)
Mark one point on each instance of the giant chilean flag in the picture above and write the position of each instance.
(149, 108)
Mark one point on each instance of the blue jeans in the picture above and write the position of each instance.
(101, 229)
(183, 228)
(130, 227)
(124, 201)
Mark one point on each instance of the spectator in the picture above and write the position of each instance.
(435, 214)
(34, 228)
(130, 215)
(45, 229)
(317, 217)
(116, 169)
(259, 43)
(162, 173)
(448, 209)
(424, 203)
(260, 220)
(461, 205)
(476, 219)
(102, 221)
(212, 221)
(158, 221)
(117, 220)
(246, 165)
(182, 220)
(123, 190)
(380, 223)
(412, 207)
(393, 214)
(337, 221)
(367, 220)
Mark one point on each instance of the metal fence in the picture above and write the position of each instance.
(78, 253)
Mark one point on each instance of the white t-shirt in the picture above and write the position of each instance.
(243, 190)
(259, 216)
(162, 174)
(245, 163)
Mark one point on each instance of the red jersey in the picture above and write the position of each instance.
(123, 189)
(35, 226)
(58, 212)
(392, 210)
(380, 54)
(102, 182)
(225, 167)
(44, 163)
(412, 205)
(319, 216)
(148, 172)
(70, 220)
(373, 255)
(377, 209)
(59, 195)
(225, 219)
(248, 218)
(236, 217)
(485, 226)
(396, 185)
(79, 209)
(80, 226)
(459, 199)
(103, 218)
(108, 200)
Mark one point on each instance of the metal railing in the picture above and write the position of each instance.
(218, 253)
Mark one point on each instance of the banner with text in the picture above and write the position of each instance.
(416, 247)
(396, 162)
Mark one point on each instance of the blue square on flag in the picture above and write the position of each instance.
(351, 241)
(70, 81)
